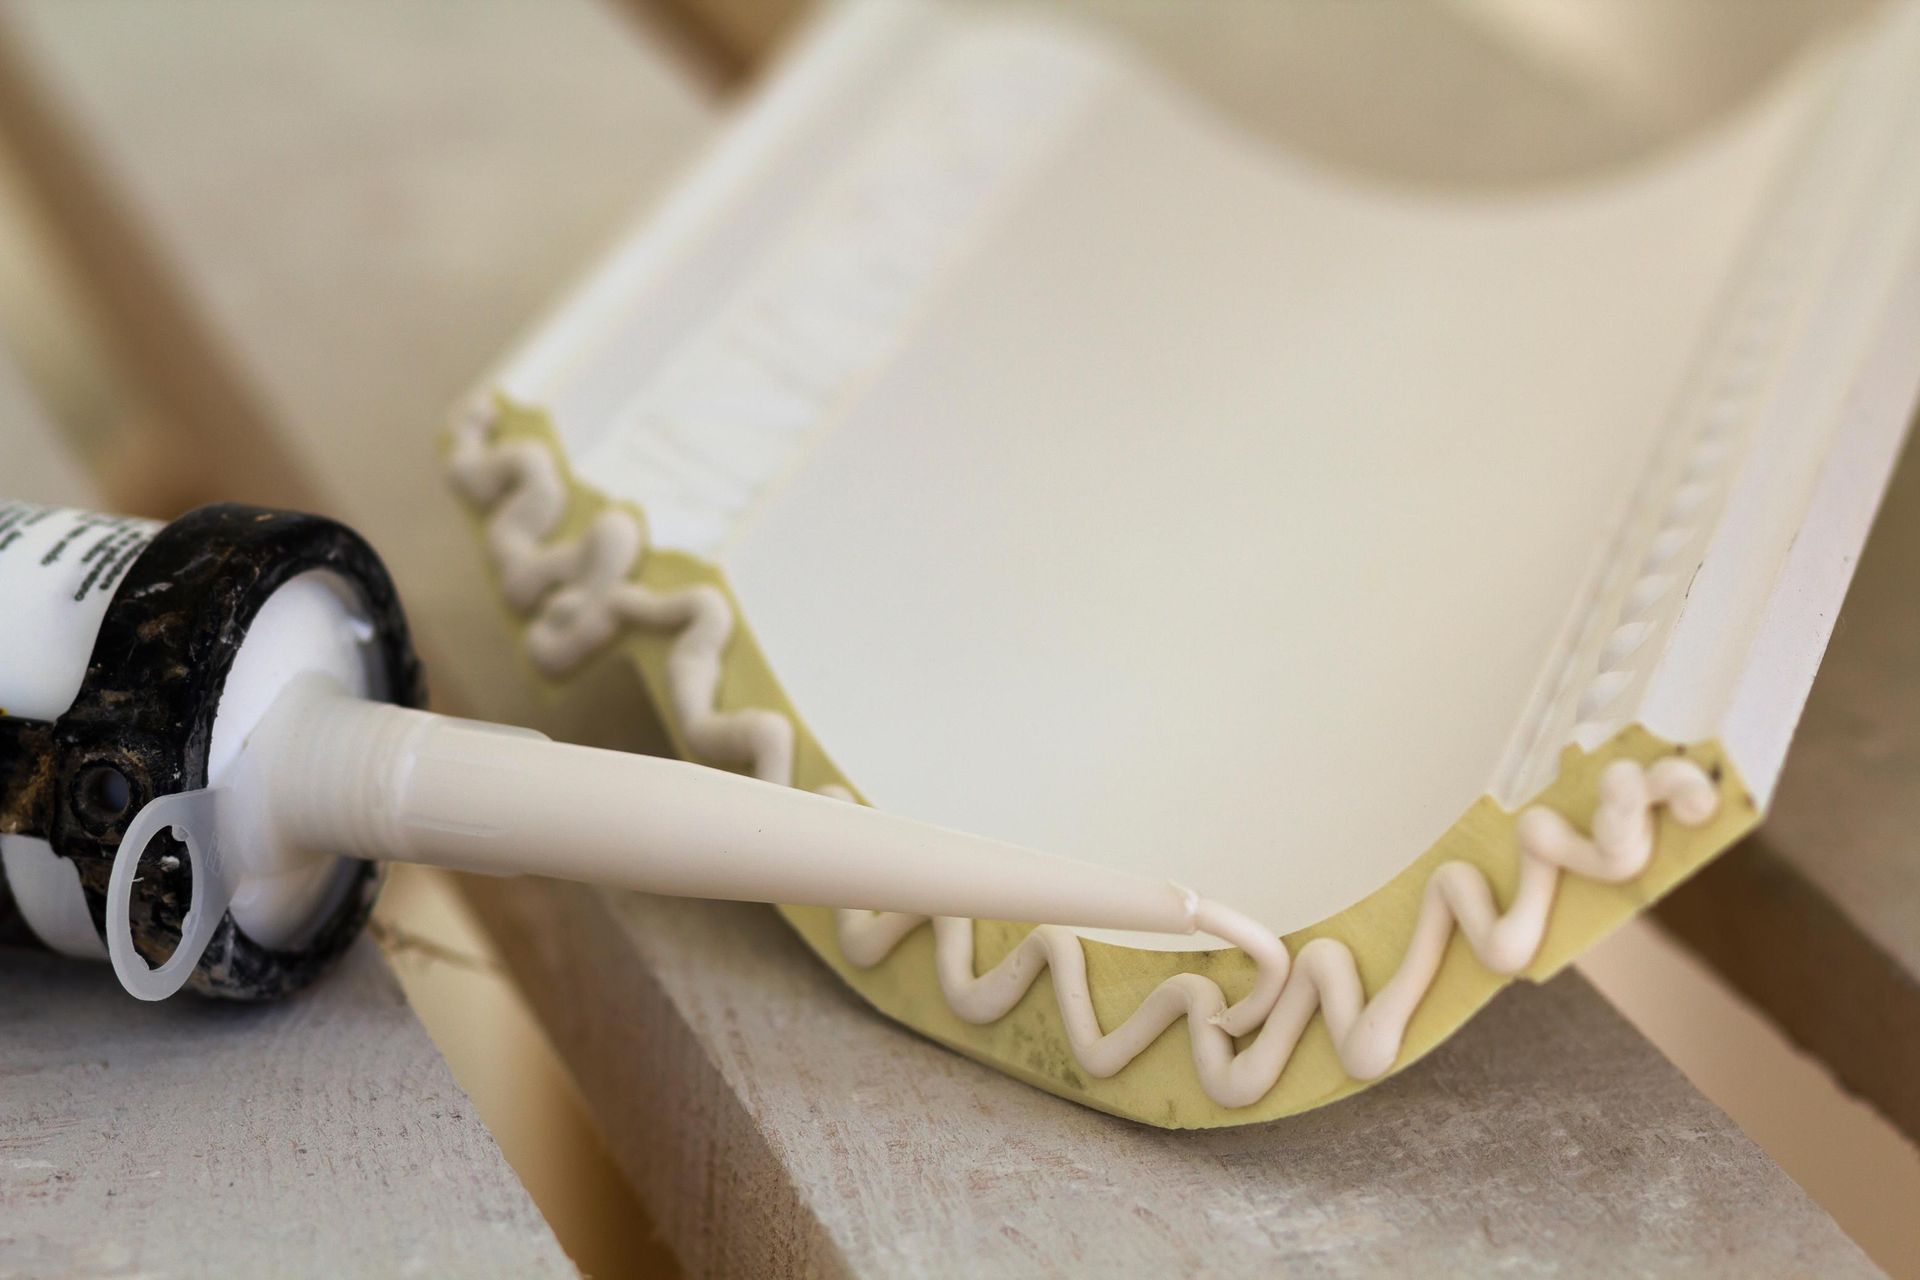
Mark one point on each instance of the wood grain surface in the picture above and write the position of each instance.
(776, 1126)
(316, 1136)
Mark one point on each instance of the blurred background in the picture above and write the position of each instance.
(254, 249)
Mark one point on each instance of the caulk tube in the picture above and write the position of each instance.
(219, 786)
(335, 774)
(135, 659)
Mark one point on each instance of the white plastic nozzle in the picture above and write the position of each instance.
(328, 775)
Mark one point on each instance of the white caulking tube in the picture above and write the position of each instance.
(215, 740)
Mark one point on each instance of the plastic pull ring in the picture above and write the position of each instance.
(193, 818)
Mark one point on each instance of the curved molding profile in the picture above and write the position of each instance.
(578, 589)
(1655, 662)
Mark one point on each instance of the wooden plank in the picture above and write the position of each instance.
(777, 1127)
(356, 204)
(479, 1019)
(1817, 918)
(321, 1136)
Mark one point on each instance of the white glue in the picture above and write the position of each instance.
(309, 768)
